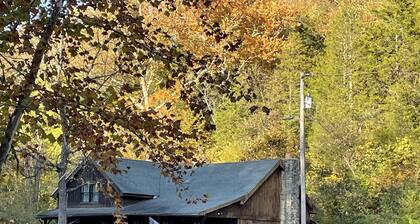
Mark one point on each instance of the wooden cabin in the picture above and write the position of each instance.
(254, 192)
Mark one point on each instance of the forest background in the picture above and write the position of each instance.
(363, 129)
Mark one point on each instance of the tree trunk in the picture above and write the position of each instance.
(62, 199)
(145, 93)
(62, 169)
(36, 184)
(145, 83)
(24, 102)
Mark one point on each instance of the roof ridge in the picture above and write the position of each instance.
(211, 163)
(241, 162)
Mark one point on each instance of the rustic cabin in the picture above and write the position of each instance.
(254, 192)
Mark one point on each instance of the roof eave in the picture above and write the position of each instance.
(210, 210)
(140, 196)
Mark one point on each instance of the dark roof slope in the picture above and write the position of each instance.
(138, 177)
(224, 184)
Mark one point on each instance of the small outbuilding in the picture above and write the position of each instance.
(253, 192)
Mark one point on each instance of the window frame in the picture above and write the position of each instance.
(93, 193)
(89, 193)
(84, 193)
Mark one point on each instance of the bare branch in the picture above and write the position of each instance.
(12, 66)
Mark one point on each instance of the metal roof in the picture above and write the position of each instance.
(137, 177)
(223, 183)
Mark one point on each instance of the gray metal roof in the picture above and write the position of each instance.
(223, 183)
(138, 177)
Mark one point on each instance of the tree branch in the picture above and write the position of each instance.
(30, 78)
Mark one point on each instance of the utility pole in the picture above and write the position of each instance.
(302, 150)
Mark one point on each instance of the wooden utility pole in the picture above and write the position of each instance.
(302, 150)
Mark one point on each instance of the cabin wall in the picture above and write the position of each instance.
(145, 220)
(93, 220)
(245, 221)
(262, 208)
(89, 174)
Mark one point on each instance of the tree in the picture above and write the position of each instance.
(127, 39)
(266, 126)
(99, 114)
(10, 38)
(26, 184)
(361, 146)
(256, 29)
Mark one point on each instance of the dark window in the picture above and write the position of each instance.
(89, 193)
(94, 194)
(85, 193)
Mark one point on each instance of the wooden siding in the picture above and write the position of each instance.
(245, 221)
(161, 220)
(263, 206)
(181, 220)
(89, 174)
